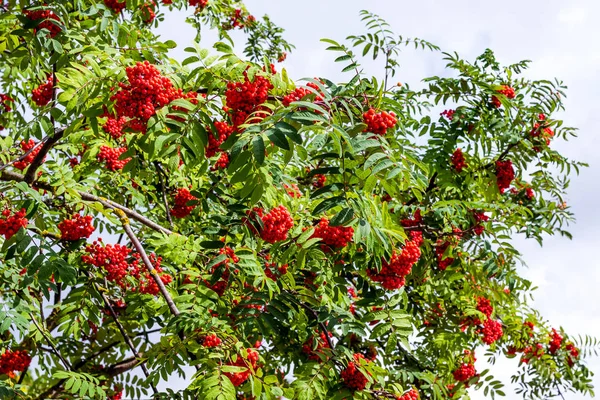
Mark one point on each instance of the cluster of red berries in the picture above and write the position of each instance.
(223, 132)
(146, 92)
(78, 227)
(458, 160)
(379, 123)
(147, 283)
(485, 306)
(10, 224)
(221, 163)
(464, 372)
(507, 91)
(211, 341)
(530, 352)
(276, 224)
(199, 3)
(181, 209)
(238, 378)
(244, 98)
(118, 264)
(492, 331)
(540, 130)
(220, 286)
(5, 106)
(26, 146)
(479, 217)
(42, 94)
(300, 93)
(148, 13)
(392, 275)
(45, 16)
(505, 173)
(319, 181)
(114, 126)
(448, 114)
(314, 346)
(556, 340)
(293, 190)
(352, 377)
(335, 237)
(115, 5)
(114, 259)
(272, 271)
(14, 361)
(412, 394)
(117, 395)
(110, 156)
(440, 249)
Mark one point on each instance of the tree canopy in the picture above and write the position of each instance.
(281, 239)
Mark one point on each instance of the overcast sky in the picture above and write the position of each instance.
(560, 37)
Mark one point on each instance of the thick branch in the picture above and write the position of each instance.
(12, 176)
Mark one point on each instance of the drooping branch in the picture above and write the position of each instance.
(13, 176)
(140, 249)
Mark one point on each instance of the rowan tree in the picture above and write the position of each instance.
(307, 239)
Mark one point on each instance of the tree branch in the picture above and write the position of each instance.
(161, 172)
(39, 158)
(22, 157)
(54, 349)
(13, 176)
(140, 249)
(128, 340)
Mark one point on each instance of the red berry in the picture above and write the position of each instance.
(276, 225)
(335, 237)
(505, 173)
(379, 123)
(78, 227)
(181, 209)
(10, 224)
(352, 377)
(458, 160)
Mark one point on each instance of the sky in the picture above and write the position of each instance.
(559, 37)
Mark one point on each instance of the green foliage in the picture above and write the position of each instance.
(307, 305)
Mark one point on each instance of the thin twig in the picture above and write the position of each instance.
(13, 176)
(128, 340)
(164, 192)
(54, 349)
(140, 249)
(39, 158)
(22, 157)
